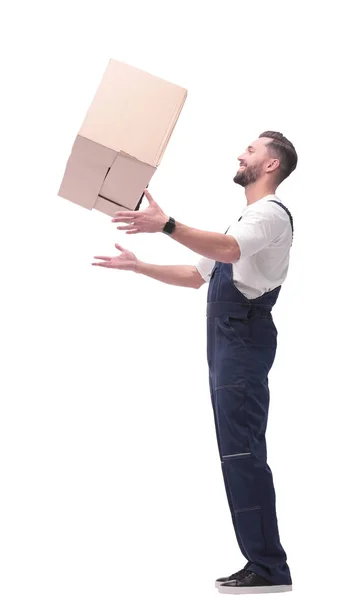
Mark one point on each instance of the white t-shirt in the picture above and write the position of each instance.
(264, 235)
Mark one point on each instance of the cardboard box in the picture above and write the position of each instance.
(122, 139)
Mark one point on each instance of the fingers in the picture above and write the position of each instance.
(122, 220)
(124, 216)
(107, 262)
(131, 228)
(128, 228)
(124, 213)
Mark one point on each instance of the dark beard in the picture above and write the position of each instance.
(248, 176)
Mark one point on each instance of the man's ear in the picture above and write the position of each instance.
(272, 165)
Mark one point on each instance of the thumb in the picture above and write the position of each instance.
(119, 247)
(149, 197)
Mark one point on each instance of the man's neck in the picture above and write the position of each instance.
(255, 192)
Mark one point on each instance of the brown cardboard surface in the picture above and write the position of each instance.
(133, 111)
(122, 139)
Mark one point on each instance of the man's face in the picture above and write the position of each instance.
(253, 162)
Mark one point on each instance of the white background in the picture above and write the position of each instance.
(110, 478)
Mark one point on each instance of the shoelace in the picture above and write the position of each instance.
(239, 573)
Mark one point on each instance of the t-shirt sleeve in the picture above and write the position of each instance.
(204, 267)
(258, 229)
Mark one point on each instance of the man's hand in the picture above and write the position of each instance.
(149, 220)
(127, 261)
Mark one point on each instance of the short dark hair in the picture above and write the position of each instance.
(280, 147)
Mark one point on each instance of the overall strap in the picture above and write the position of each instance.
(286, 209)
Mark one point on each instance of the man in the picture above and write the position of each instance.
(245, 268)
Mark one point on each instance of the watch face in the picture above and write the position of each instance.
(169, 226)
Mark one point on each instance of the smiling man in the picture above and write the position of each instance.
(245, 268)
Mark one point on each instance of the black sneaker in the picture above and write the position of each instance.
(235, 577)
(252, 583)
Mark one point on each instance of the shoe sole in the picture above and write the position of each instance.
(269, 589)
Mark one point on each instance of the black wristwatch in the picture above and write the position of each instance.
(169, 226)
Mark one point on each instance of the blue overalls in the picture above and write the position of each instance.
(241, 347)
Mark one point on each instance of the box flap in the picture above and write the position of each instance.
(108, 207)
(126, 181)
(85, 171)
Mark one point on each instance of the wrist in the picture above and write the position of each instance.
(164, 221)
(138, 266)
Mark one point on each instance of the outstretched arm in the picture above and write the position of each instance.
(217, 246)
(182, 275)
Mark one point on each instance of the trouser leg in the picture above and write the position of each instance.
(248, 478)
(226, 483)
